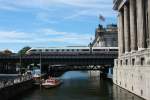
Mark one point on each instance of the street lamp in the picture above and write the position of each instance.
(20, 63)
(40, 62)
(40, 68)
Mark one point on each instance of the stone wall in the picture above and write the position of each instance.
(14, 90)
(132, 69)
(133, 75)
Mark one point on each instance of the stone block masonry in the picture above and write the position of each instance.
(132, 68)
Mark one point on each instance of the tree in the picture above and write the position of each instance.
(7, 52)
(24, 50)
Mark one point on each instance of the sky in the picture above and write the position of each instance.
(51, 23)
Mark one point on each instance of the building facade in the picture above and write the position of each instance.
(132, 68)
(106, 37)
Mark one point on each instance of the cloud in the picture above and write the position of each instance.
(47, 3)
(67, 37)
(48, 31)
(32, 14)
(45, 17)
(14, 37)
(44, 36)
(77, 7)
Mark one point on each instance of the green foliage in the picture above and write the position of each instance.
(23, 50)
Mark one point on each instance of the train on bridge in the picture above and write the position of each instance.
(72, 50)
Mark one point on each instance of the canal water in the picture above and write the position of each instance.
(80, 86)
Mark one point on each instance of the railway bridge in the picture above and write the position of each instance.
(70, 61)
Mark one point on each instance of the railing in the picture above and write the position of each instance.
(17, 80)
(100, 55)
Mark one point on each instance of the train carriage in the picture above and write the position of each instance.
(72, 50)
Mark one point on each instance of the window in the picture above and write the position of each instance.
(113, 50)
(98, 49)
(33, 50)
(121, 62)
(117, 62)
(46, 50)
(125, 85)
(142, 61)
(141, 92)
(133, 62)
(85, 49)
(126, 61)
(132, 88)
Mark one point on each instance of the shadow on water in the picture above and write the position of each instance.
(79, 86)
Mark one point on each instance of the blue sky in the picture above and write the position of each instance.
(46, 23)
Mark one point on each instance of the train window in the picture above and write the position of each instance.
(98, 49)
(72, 49)
(52, 50)
(113, 50)
(46, 50)
(77, 49)
(85, 49)
(33, 50)
(62, 50)
(57, 50)
(40, 50)
(68, 50)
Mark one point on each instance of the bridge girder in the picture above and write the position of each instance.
(102, 59)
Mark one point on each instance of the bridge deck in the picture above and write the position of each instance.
(84, 59)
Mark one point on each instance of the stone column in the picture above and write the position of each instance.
(126, 28)
(140, 25)
(149, 22)
(121, 32)
(119, 35)
(133, 25)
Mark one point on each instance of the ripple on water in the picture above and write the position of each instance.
(79, 86)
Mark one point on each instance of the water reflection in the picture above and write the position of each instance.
(79, 86)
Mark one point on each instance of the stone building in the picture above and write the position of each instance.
(132, 68)
(106, 37)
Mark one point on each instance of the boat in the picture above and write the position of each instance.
(37, 75)
(51, 82)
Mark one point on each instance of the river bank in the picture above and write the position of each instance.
(14, 85)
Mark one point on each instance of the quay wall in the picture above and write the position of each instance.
(135, 79)
(14, 90)
(132, 68)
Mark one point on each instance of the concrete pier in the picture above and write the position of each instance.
(10, 89)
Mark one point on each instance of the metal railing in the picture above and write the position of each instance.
(17, 80)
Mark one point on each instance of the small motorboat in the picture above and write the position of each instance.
(37, 76)
(51, 82)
